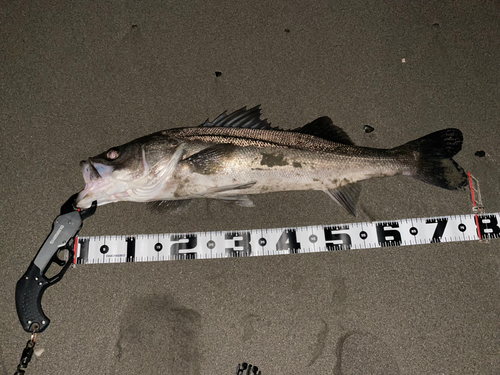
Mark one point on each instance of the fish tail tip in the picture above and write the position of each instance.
(434, 163)
(445, 173)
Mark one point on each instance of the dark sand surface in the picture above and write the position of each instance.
(79, 77)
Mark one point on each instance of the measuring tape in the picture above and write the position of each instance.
(276, 241)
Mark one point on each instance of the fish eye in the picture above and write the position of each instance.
(112, 154)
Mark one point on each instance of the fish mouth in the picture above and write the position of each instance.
(90, 173)
(94, 171)
(98, 184)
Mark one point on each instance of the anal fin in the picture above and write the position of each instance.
(347, 196)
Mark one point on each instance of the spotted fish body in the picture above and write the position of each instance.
(238, 155)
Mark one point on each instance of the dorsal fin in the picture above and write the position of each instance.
(242, 118)
(323, 128)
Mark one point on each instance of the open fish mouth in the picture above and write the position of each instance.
(91, 177)
(94, 171)
(89, 171)
(98, 184)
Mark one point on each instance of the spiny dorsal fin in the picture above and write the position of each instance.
(242, 118)
(324, 128)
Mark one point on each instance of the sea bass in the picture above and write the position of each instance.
(239, 154)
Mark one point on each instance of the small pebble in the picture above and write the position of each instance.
(368, 128)
(287, 30)
(218, 74)
(435, 26)
(480, 154)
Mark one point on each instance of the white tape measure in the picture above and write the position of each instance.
(259, 242)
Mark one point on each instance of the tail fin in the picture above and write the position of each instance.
(434, 159)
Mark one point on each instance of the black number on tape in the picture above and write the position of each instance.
(387, 236)
(337, 241)
(288, 241)
(438, 232)
(241, 244)
(182, 244)
(488, 226)
(130, 249)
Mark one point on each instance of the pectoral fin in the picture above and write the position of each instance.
(347, 196)
(240, 200)
(229, 194)
(211, 159)
(227, 188)
(169, 206)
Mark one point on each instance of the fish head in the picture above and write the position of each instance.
(136, 171)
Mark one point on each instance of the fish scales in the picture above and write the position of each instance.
(272, 169)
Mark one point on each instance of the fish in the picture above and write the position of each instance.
(238, 155)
